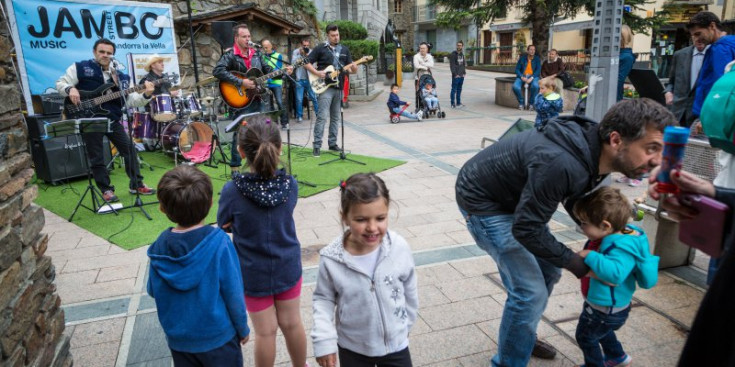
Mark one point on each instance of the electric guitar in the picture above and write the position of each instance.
(240, 97)
(319, 85)
(91, 101)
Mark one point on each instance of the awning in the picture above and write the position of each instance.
(507, 27)
(575, 26)
(248, 12)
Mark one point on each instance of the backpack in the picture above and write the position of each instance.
(718, 113)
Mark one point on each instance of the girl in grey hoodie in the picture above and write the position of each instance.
(368, 275)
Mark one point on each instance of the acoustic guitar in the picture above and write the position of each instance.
(319, 85)
(91, 101)
(239, 97)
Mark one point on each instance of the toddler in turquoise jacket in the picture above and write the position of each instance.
(619, 259)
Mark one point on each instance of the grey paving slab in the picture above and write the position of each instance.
(97, 332)
(148, 342)
(97, 309)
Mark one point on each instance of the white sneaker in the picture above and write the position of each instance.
(300, 119)
(419, 115)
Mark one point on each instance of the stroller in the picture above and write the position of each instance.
(421, 103)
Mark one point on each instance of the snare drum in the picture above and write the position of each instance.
(162, 108)
(192, 140)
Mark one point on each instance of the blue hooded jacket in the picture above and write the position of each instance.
(718, 55)
(260, 211)
(198, 289)
(623, 260)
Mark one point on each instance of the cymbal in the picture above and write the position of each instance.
(206, 81)
(175, 88)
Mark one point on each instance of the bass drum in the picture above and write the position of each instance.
(193, 140)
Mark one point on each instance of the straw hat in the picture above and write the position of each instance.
(152, 60)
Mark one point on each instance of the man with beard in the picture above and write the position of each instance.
(509, 191)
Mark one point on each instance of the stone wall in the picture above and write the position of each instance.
(31, 321)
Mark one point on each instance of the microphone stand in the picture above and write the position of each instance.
(131, 153)
(342, 155)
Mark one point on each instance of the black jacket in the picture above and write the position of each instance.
(455, 66)
(711, 341)
(231, 62)
(528, 175)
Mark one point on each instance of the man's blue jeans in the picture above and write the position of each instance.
(455, 94)
(303, 84)
(330, 104)
(532, 90)
(527, 279)
(595, 329)
(277, 92)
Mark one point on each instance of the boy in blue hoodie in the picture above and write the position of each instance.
(618, 256)
(195, 277)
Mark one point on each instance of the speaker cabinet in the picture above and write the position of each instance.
(222, 33)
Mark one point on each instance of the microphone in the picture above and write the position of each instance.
(114, 62)
(253, 44)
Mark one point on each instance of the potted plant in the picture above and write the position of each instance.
(391, 72)
(471, 51)
(407, 70)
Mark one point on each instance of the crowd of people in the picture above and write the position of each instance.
(366, 297)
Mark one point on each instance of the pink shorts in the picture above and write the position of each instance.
(257, 304)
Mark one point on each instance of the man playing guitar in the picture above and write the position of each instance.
(240, 58)
(329, 53)
(88, 75)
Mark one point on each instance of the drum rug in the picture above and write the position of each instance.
(130, 229)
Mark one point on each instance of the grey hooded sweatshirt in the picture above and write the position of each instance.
(374, 313)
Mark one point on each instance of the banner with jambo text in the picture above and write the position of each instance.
(50, 35)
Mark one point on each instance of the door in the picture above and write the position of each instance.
(431, 38)
(505, 56)
(487, 38)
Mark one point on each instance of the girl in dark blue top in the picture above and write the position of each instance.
(257, 207)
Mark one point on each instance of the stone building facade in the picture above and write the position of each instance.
(31, 319)
(401, 12)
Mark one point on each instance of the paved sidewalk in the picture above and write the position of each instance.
(113, 322)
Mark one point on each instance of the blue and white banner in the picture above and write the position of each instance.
(50, 35)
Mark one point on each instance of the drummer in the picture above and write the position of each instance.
(154, 67)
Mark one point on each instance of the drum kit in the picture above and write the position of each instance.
(183, 126)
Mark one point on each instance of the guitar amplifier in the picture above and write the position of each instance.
(62, 158)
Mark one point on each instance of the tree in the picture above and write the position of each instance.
(538, 13)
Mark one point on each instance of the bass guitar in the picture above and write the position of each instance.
(238, 96)
(319, 85)
(90, 103)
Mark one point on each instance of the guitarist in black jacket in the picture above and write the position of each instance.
(329, 53)
(240, 58)
(88, 75)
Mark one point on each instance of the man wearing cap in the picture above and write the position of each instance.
(154, 67)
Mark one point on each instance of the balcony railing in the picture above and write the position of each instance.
(425, 13)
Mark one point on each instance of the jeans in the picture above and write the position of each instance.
(527, 279)
(300, 86)
(532, 90)
(329, 104)
(455, 94)
(277, 92)
(93, 142)
(596, 329)
(405, 113)
(431, 102)
(402, 358)
(228, 354)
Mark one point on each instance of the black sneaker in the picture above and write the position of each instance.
(334, 148)
(543, 350)
(316, 152)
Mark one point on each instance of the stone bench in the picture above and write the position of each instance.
(505, 97)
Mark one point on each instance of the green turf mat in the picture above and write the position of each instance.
(130, 229)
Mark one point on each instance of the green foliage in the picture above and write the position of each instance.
(392, 66)
(440, 54)
(407, 67)
(390, 48)
(304, 6)
(579, 84)
(643, 24)
(348, 30)
(362, 48)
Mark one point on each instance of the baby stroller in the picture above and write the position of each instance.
(421, 103)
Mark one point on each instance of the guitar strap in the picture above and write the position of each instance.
(336, 52)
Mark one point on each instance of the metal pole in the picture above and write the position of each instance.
(193, 48)
(603, 73)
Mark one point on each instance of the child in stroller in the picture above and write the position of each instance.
(426, 98)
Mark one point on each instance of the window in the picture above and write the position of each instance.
(398, 6)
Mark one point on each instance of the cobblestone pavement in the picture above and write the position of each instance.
(113, 322)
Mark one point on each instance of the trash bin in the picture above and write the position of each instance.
(663, 235)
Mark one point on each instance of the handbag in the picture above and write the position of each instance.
(566, 79)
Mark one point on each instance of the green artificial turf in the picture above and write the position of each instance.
(130, 229)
